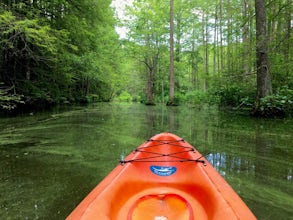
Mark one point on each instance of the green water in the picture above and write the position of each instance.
(51, 160)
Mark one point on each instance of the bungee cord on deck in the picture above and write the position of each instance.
(155, 156)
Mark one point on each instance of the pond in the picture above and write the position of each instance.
(51, 160)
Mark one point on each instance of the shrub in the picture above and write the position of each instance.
(235, 96)
(9, 101)
(278, 104)
(196, 97)
(125, 97)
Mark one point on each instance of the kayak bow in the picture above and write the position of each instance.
(165, 178)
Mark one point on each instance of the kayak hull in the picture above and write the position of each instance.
(164, 178)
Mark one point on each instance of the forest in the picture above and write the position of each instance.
(235, 54)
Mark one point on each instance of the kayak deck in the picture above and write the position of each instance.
(164, 178)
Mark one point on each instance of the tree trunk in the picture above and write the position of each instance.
(221, 59)
(194, 56)
(172, 77)
(215, 42)
(287, 57)
(245, 40)
(178, 38)
(150, 83)
(264, 84)
(206, 51)
(229, 39)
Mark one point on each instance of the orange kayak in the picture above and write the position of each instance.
(163, 179)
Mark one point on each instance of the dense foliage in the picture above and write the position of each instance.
(57, 51)
(216, 49)
(61, 51)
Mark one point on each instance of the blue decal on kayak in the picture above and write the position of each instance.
(163, 170)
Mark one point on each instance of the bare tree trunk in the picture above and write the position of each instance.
(215, 42)
(221, 63)
(229, 39)
(245, 40)
(206, 52)
(178, 37)
(151, 63)
(193, 61)
(172, 77)
(287, 57)
(150, 82)
(264, 84)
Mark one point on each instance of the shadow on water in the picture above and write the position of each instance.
(51, 160)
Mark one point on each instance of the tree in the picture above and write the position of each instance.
(288, 37)
(26, 44)
(245, 38)
(58, 50)
(172, 77)
(219, 35)
(264, 84)
(148, 36)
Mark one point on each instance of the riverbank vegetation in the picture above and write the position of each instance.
(57, 52)
(224, 53)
